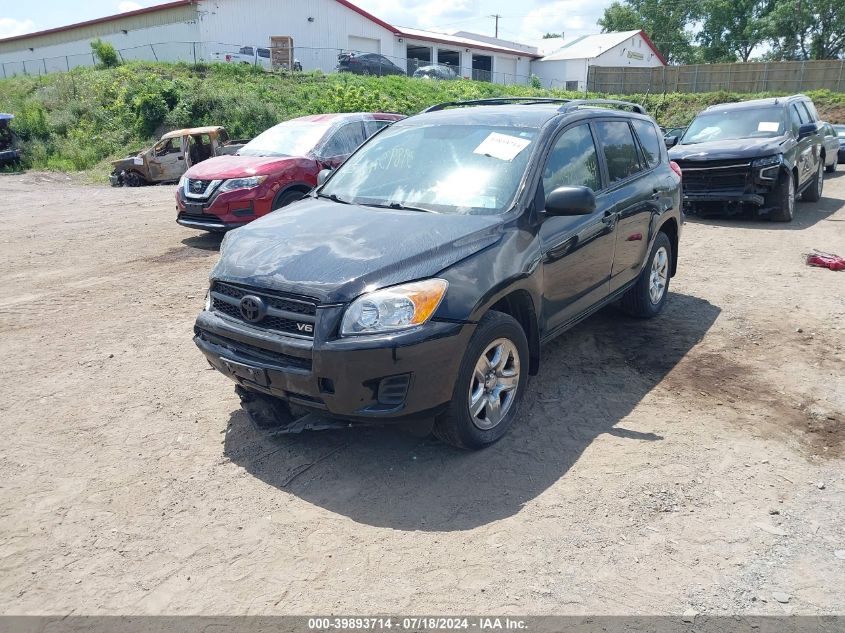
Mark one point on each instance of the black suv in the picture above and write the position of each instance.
(421, 278)
(367, 64)
(759, 154)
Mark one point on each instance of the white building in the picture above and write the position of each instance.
(567, 67)
(318, 30)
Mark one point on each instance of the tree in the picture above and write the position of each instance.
(732, 29)
(553, 36)
(807, 29)
(664, 21)
(105, 52)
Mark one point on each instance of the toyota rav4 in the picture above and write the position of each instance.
(423, 276)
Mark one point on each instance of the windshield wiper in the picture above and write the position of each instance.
(399, 207)
(333, 197)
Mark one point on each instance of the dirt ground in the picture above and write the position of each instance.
(691, 462)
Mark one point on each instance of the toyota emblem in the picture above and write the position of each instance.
(253, 308)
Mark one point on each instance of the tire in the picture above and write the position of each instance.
(784, 199)
(813, 193)
(831, 168)
(646, 298)
(506, 383)
(285, 198)
(134, 179)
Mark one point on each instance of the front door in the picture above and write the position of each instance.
(167, 160)
(577, 251)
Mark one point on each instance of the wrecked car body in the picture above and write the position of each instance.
(171, 157)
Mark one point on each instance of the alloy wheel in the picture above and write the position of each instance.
(494, 383)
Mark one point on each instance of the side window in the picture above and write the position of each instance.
(649, 141)
(344, 140)
(246, 50)
(171, 146)
(264, 52)
(573, 161)
(801, 113)
(811, 110)
(794, 118)
(620, 151)
(371, 127)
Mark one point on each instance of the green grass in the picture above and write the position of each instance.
(80, 120)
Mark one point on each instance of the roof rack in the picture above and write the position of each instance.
(573, 104)
(495, 101)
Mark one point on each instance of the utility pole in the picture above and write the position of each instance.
(496, 16)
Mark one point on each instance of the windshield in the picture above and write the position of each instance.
(733, 124)
(291, 138)
(467, 169)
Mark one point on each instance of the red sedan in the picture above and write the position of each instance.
(277, 167)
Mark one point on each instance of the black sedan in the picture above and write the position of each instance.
(367, 64)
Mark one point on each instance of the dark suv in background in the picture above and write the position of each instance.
(367, 64)
(758, 154)
(422, 278)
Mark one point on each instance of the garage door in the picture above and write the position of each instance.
(505, 70)
(364, 44)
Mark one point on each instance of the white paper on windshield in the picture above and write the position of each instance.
(502, 146)
(137, 161)
(768, 126)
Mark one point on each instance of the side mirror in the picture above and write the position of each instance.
(808, 129)
(571, 201)
(323, 176)
(670, 141)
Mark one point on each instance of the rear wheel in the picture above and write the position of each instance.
(134, 179)
(648, 296)
(284, 199)
(813, 193)
(783, 199)
(490, 385)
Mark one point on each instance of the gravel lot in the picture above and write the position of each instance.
(691, 462)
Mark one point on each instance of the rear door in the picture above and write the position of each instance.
(644, 193)
(577, 251)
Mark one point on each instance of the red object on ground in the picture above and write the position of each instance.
(826, 260)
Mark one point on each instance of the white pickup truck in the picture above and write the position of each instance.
(246, 55)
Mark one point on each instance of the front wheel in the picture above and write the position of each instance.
(286, 198)
(784, 199)
(491, 383)
(831, 168)
(647, 297)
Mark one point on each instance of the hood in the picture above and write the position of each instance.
(334, 252)
(725, 150)
(130, 160)
(229, 166)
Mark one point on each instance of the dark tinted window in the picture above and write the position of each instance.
(264, 52)
(798, 114)
(811, 110)
(619, 149)
(573, 161)
(649, 141)
(344, 140)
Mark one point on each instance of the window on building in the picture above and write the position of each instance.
(572, 85)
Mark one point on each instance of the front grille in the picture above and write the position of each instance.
(715, 175)
(288, 323)
(198, 187)
(251, 352)
(201, 217)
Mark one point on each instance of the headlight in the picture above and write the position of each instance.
(242, 183)
(208, 300)
(181, 181)
(392, 309)
(769, 160)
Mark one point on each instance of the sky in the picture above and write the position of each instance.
(524, 21)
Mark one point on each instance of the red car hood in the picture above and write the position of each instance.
(222, 167)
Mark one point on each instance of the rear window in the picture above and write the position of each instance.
(620, 151)
(649, 141)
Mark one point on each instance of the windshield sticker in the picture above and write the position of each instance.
(502, 146)
(768, 126)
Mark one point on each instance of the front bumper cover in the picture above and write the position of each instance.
(367, 378)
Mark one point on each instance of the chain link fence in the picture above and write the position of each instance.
(267, 57)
